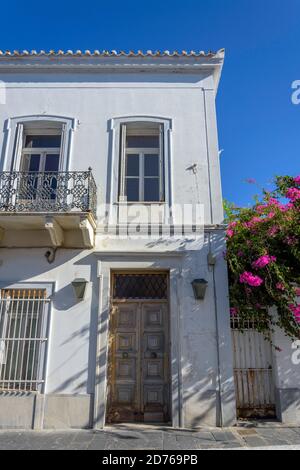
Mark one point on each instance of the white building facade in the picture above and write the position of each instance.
(99, 320)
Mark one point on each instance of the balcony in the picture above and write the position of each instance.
(42, 209)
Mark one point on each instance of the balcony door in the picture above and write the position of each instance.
(40, 164)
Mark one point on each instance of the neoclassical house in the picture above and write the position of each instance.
(114, 299)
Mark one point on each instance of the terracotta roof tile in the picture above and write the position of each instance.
(97, 53)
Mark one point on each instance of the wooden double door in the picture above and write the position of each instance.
(139, 377)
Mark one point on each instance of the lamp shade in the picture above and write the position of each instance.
(79, 286)
(199, 288)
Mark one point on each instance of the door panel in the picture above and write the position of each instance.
(139, 363)
(154, 363)
(124, 395)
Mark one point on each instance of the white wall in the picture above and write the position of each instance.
(95, 99)
(188, 100)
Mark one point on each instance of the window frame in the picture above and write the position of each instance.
(114, 162)
(42, 151)
(141, 151)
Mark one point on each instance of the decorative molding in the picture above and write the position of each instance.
(139, 254)
(13, 128)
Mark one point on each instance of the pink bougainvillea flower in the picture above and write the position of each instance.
(261, 208)
(280, 286)
(234, 312)
(296, 311)
(287, 207)
(297, 179)
(273, 231)
(297, 291)
(273, 201)
(232, 224)
(291, 240)
(293, 194)
(230, 233)
(253, 222)
(251, 279)
(263, 261)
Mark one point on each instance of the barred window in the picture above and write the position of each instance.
(23, 329)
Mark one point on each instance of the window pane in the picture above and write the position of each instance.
(143, 141)
(52, 162)
(151, 189)
(34, 163)
(151, 165)
(132, 165)
(42, 141)
(132, 189)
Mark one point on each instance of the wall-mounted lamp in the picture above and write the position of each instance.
(199, 288)
(79, 286)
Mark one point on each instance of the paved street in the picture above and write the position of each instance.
(150, 438)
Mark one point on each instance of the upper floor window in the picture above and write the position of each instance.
(40, 163)
(142, 173)
(41, 151)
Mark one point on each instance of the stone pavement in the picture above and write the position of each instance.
(154, 438)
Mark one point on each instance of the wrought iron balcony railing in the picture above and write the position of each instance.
(62, 191)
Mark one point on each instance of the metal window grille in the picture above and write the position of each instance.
(140, 286)
(23, 327)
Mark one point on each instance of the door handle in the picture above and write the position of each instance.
(125, 355)
(153, 355)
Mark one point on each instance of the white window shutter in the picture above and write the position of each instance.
(122, 197)
(161, 162)
(17, 160)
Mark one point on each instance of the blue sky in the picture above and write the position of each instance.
(259, 127)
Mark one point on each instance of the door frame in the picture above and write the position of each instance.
(111, 262)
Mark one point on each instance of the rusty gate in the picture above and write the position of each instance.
(253, 372)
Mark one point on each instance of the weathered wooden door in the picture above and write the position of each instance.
(253, 372)
(139, 381)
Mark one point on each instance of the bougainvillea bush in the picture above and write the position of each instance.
(263, 255)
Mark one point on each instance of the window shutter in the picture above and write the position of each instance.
(18, 147)
(63, 153)
(161, 163)
(123, 163)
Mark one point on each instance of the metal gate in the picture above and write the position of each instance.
(253, 372)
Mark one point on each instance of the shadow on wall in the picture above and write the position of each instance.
(207, 401)
(84, 378)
